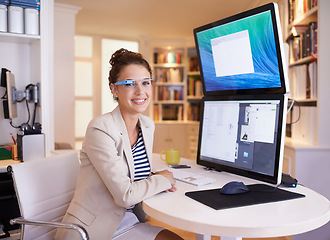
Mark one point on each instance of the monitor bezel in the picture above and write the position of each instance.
(273, 8)
(11, 102)
(275, 178)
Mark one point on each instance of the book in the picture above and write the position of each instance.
(156, 112)
(193, 64)
(161, 56)
(312, 76)
(35, 4)
(303, 42)
(170, 112)
(4, 2)
(297, 8)
(198, 88)
(175, 75)
(194, 111)
(195, 87)
(292, 82)
(303, 127)
(301, 81)
(313, 37)
(298, 81)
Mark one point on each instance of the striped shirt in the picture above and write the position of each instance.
(141, 162)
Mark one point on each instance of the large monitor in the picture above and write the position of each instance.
(244, 135)
(243, 54)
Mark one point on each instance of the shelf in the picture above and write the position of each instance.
(194, 73)
(168, 102)
(294, 143)
(169, 65)
(18, 38)
(169, 84)
(306, 102)
(194, 98)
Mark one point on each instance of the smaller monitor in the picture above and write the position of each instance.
(244, 135)
(9, 104)
(243, 54)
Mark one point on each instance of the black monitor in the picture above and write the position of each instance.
(9, 102)
(243, 135)
(243, 54)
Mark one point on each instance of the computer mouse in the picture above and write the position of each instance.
(234, 188)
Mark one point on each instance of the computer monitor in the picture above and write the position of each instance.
(243, 54)
(9, 102)
(243, 135)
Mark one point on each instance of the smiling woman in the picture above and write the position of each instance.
(115, 173)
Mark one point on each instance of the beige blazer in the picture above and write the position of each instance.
(105, 186)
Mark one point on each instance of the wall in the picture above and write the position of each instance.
(15, 56)
(64, 31)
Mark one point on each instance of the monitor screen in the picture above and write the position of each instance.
(244, 136)
(243, 54)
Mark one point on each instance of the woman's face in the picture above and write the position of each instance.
(133, 98)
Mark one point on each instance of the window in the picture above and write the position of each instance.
(92, 92)
(83, 86)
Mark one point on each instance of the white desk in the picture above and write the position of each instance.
(276, 219)
(5, 163)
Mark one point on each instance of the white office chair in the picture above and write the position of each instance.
(44, 189)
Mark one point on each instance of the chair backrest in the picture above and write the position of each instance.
(44, 189)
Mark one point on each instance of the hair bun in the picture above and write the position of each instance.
(117, 55)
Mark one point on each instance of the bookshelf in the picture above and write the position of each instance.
(307, 149)
(176, 97)
(194, 86)
(302, 39)
(177, 90)
(30, 59)
(169, 86)
(170, 89)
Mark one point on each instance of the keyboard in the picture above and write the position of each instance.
(190, 177)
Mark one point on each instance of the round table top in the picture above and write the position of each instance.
(274, 219)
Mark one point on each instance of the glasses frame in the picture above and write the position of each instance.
(130, 81)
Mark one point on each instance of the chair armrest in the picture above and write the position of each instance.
(82, 232)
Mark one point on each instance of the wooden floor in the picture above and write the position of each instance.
(192, 236)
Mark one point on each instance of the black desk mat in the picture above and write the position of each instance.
(259, 193)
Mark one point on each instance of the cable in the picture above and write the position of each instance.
(25, 97)
(11, 124)
(34, 114)
(298, 114)
(291, 108)
(28, 110)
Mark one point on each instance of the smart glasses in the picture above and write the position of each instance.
(133, 83)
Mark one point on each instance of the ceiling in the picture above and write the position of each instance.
(152, 18)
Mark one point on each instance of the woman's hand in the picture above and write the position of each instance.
(169, 176)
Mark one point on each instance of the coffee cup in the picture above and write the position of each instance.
(172, 156)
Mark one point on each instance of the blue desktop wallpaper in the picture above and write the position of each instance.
(266, 71)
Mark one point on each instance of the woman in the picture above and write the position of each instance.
(115, 173)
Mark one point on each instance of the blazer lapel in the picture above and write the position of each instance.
(126, 144)
(147, 134)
